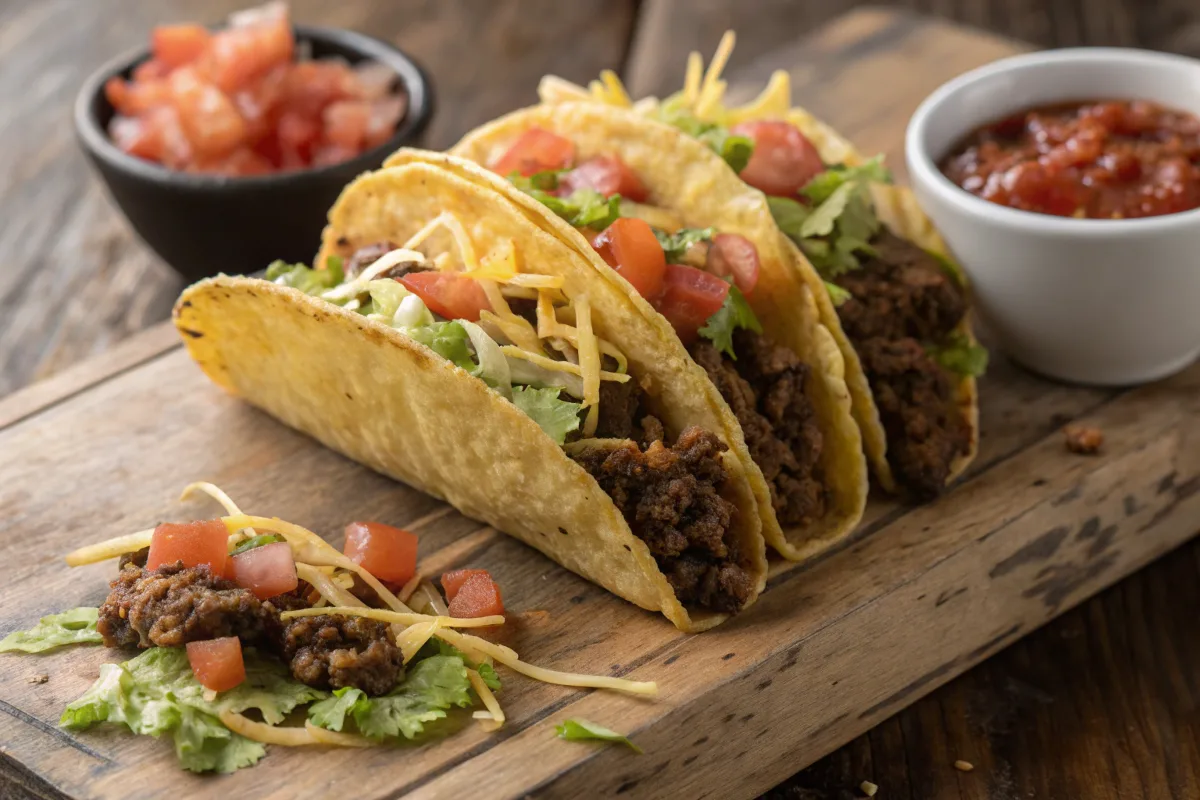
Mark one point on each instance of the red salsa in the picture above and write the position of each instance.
(1096, 160)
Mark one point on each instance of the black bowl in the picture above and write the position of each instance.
(205, 224)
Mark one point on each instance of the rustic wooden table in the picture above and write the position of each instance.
(1101, 703)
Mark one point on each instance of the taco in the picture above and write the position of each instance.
(450, 344)
(884, 284)
(698, 252)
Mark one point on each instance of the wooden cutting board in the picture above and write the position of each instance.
(831, 649)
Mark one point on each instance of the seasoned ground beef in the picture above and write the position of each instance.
(367, 255)
(331, 652)
(914, 395)
(174, 605)
(764, 387)
(902, 298)
(671, 498)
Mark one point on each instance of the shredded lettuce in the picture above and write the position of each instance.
(556, 417)
(583, 208)
(306, 279)
(734, 149)
(493, 366)
(256, 541)
(675, 245)
(958, 354)
(734, 313)
(449, 340)
(577, 730)
(394, 305)
(77, 626)
(432, 686)
(156, 694)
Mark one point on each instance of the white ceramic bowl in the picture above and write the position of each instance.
(1105, 302)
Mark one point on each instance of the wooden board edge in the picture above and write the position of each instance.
(129, 354)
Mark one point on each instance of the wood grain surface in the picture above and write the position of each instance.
(1099, 704)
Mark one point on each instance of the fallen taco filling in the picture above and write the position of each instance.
(703, 282)
(535, 346)
(900, 305)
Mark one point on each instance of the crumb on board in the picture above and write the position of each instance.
(868, 788)
(1083, 440)
(42, 678)
(963, 766)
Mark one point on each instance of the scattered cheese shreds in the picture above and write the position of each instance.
(560, 366)
(213, 491)
(495, 712)
(406, 591)
(963, 766)
(774, 102)
(868, 788)
(335, 595)
(695, 74)
(336, 738)
(112, 548)
(411, 618)
(267, 734)
(617, 95)
(414, 638)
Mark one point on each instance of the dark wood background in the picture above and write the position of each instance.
(1101, 703)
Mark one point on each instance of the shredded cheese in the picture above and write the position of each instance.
(325, 586)
(561, 366)
(452, 224)
(493, 718)
(406, 591)
(774, 101)
(617, 95)
(213, 491)
(415, 637)
(352, 289)
(336, 738)
(112, 548)
(712, 87)
(410, 618)
(267, 734)
(589, 363)
(429, 597)
(691, 83)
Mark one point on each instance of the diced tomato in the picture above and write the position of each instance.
(478, 596)
(150, 70)
(608, 175)
(298, 137)
(209, 118)
(731, 254)
(690, 296)
(390, 554)
(630, 247)
(217, 663)
(193, 543)
(132, 99)
(453, 580)
(239, 54)
(259, 104)
(176, 45)
(267, 571)
(312, 85)
(783, 159)
(536, 150)
(448, 294)
(156, 135)
(346, 123)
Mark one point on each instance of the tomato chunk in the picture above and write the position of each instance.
(346, 122)
(478, 596)
(448, 294)
(237, 55)
(217, 663)
(536, 150)
(690, 296)
(176, 45)
(783, 159)
(390, 554)
(267, 571)
(208, 117)
(608, 175)
(731, 254)
(193, 543)
(453, 580)
(630, 247)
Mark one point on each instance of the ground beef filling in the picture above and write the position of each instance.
(900, 299)
(671, 498)
(174, 605)
(367, 255)
(764, 387)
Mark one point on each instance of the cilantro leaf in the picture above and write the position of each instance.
(77, 626)
(583, 208)
(676, 244)
(576, 730)
(488, 673)
(256, 541)
(433, 685)
(306, 279)
(556, 417)
(958, 354)
(449, 340)
(837, 294)
(734, 313)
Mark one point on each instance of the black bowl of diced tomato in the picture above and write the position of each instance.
(225, 152)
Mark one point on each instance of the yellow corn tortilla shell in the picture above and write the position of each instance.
(377, 396)
(896, 206)
(685, 177)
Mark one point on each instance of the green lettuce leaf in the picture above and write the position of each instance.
(488, 673)
(583, 208)
(306, 279)
(960, 355)
(440, 647)
(556, 417)
(256, 541)
(734, 149)
(734, 313)
(449, 340)
(156, 694)
(77, 626)
(578, 730)
(676, 244)
(836, 293)
(432, 686)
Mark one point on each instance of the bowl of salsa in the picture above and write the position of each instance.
(226, 146)
(1068, 184)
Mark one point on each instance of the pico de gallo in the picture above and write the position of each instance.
(246, 613)
(245, 101)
